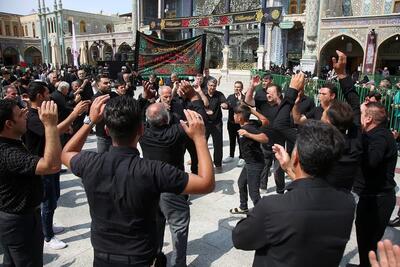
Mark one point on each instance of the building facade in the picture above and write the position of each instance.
(307, 34)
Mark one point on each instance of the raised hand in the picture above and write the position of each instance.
(194, 127)
(339, 65)
(389, 255)
(186, 90)
(48, 113)
(148, 93)
(97, 108)
(297, 82)
(255, 81)
(81, 107)
(282, 156)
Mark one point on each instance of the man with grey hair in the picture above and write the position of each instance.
(59, 96)
(167, 143)
(52, 81)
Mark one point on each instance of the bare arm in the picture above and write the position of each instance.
(261, 137)
(63, 126)
(75, 144)
(284, 159)
(204, 182)
(203, 97)
(50, 162)
(262, 118)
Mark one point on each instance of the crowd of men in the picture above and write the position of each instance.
(335, 153)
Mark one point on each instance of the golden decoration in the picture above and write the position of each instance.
(259, 15)
(275, 14)
(162, 24)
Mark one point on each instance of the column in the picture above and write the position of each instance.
(261, 41)
(268, 45)
(61, 27)
(3, 28)
(226, 49)
(161, 15)
(134, 19)
(309, 59)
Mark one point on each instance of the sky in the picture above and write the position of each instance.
(25, 7)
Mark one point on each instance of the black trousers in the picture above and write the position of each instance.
(233, 129)
(22, 239)
(372, 216)
(215, 130)
(102, 259)
(279, 174)
(191, 148)
(250, 177)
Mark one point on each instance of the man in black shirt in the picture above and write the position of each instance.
(123, 203)
(85, 89)
(250, 139)
(376, 188)
(233, 101)
(103, 139)
(35, 140)
(21, 189)
(216, 101)
(311, 223)
(167, 142)
(326, 95)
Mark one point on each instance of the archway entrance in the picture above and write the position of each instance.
(107, 52)
(215, 51)
(10, 56)
(70, 58)
(126, 52)
(33, 55)
(94, 53)
(389, 55)
(346, 44)
(248, 51)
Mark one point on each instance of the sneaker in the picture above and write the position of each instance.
(227, 160)
(57, 229)
(241, 163)
(54, 243)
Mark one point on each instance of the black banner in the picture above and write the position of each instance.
(162, 57)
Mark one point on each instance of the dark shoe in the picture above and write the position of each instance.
(395, 222)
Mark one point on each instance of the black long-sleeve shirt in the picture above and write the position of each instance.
(378, 162)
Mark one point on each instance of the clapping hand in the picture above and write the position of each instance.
(97, 108)
(389, 255)
(282, 156)
(48, 113)
(297, 82)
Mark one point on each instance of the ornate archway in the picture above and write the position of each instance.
(107, 52)
(32, 55)
(94, 54)
(346, 44)
(389, 55)
(10, 56)
(125, 51)
(215, 51)
(248, 51)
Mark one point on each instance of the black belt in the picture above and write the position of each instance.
(123, 259)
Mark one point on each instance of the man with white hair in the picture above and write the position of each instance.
(52, 81)
(59, 96)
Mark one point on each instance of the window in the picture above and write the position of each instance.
(82, 26)
(303, 6)
(396, 7)
(26, 30)
(70, 26)
(293, 7)
(15, 30)
(109, 28)
(33, 30)
(1, 29)
(8, 31)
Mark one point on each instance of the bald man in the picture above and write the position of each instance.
(167, 143)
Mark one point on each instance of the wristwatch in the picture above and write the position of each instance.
(88, 121)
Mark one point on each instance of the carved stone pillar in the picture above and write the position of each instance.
(309, 59)
(268, 45)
